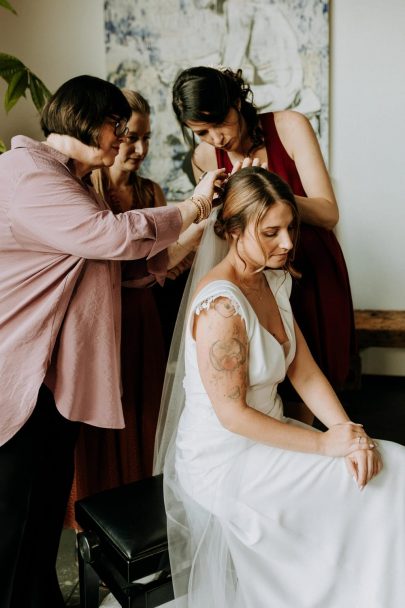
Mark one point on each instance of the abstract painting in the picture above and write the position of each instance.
(282, 47)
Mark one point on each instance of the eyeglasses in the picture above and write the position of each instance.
(120, 126)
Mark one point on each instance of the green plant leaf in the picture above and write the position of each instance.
(39, 92)
(2, 146)
(8, 6)
(16, 89)
(9, 65)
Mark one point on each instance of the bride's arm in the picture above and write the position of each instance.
(223, 354)
(312, 386)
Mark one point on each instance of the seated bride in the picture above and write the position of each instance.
(263, 511)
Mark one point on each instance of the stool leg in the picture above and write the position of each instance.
(89, 584)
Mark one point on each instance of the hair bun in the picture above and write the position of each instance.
(220, 226)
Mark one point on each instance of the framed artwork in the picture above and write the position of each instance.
(282, 47)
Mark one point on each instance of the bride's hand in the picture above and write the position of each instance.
(363, 465)
(345, 438)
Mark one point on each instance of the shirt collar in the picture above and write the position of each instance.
(22, 141)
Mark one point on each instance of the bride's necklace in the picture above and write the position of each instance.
(256, 293)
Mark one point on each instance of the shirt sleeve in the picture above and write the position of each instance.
(53, 211)
(145, 273)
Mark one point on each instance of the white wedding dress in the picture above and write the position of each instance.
(252, 526)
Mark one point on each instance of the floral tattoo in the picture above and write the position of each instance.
(224, 307)
(227, 355)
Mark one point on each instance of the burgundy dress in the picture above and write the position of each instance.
(321, 299)
(108, 458)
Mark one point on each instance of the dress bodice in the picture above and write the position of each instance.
(268, 361)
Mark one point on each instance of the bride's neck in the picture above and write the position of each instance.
(242, 273)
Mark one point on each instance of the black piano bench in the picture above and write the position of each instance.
(124, 539)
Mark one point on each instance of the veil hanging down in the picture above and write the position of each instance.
(196, 540)
(211, 251)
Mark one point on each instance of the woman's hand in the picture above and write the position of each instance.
(345, 438)
(363, 465)
(248, 162)
(210, 181)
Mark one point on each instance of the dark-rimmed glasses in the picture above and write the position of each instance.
(120, 126)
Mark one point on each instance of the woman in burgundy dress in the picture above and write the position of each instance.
(108, 458)
(217, 107)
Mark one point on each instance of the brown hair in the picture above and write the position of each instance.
(247, 196)
(80, 106)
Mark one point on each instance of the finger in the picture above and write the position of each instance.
(370, 465)
(237, 166)
(221, 175)
(358, 446)
(256, 162)
(265, 166)
(351, 468)
(380, 463)
(247, 162)
(364, 441)
(348, 423)
(361, 473)
(212, 176)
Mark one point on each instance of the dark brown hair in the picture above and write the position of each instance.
(205, 94)
(80, 106)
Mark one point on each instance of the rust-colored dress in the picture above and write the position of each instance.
(321, 299)
(108, 458)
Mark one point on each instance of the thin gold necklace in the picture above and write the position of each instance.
(255, 292)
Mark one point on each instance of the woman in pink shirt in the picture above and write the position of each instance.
(60, 253)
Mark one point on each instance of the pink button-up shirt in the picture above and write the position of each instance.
(60, 248)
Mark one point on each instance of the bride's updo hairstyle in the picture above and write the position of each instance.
(205, 94)
(246, 197)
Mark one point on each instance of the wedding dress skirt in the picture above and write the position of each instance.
(252, 526)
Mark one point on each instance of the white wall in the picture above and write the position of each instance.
(59, 39)
(367, 155)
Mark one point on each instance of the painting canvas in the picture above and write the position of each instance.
(282, 47)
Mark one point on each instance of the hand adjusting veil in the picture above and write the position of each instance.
(210, 252)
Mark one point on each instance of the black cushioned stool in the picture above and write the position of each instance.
(124, 539)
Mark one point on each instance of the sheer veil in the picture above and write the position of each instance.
(211, 251)
(199, 555)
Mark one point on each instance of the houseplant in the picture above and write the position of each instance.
(19, 79)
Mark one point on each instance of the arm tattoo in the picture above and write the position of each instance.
(227, 355)
(224, 307)
(235, 393)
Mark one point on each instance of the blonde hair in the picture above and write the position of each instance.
(100, 178)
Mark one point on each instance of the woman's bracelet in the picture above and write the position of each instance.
(203, 204)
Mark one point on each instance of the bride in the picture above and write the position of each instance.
(264, 512)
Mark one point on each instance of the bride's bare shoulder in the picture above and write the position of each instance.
(218, 273)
